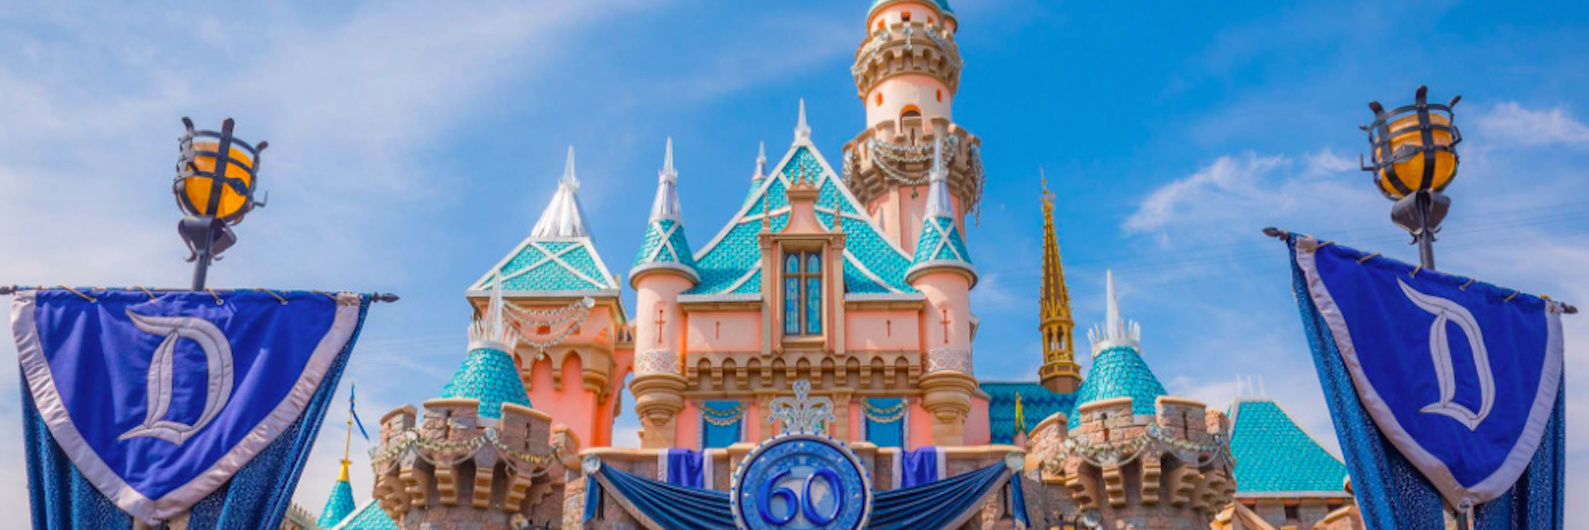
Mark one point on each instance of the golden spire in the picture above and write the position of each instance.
(1059, 372)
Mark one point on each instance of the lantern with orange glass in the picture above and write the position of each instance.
(214, 191)
(1414, 159)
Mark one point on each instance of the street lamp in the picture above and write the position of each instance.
(217, 175)
(1414, 159)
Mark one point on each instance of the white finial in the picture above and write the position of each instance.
(666, 204)
(761, 162)
(938, 204)
(1115, 330)
(802, 131)
(492, 331)
(562, 217)
(568, 171)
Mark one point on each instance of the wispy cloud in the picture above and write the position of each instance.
(1512, 123)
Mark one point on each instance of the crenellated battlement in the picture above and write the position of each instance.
(907, 48)
(1164, 470)
(452, 468)
(898, 152)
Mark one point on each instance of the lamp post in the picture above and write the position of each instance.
(217, 175)
(1414, 159)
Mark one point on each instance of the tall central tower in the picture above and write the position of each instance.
(907, 72)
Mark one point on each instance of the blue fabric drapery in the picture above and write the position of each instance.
(1390, 491)
(257, 496)
(885, 433)
(935, 505)
(666, 504)
(684, 468)
(920, 467)
(1018, 503)
(716, 436)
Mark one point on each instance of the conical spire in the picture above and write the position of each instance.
(1115, 331)
(666, 204)
(802, 131)
(940, 243)
(665, 246)
(563, 216)
(761, 163)
(488, 373)
(492, 331)
(340, 503)
(1059, 372)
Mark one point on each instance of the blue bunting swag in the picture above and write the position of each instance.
(187, 404)
(1461, 378)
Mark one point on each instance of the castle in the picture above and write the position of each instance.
(855, 279)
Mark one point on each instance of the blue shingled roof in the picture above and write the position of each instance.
(370, 516)
(338, 506)
(664, 245)
(488, 375)
(731, 262)
(1037, 403)
(1274, 455)
(555, 264)
(1119, 372)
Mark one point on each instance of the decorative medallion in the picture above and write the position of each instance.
(800, 481)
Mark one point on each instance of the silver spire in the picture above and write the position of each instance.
(802, 131)
(761, 163)
(493, 331)
(563, 216)
(1115, 331)
(666, 205)
(938, 204)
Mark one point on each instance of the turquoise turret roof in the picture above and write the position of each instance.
(731, 262)
(1037, 403)
(665, 246)
(940, 243)
(558, 258)
(943, 5)
(489, 375)
(339, 504)
(1275, 456)
(369, 516)
(1118, 372)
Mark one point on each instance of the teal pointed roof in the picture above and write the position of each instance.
(558, 258)
(943, 5)
(664, 245)
(488, 375)
(339, 504)
(1118, 372)
(731, 262)
(369, 516)
(1037, 403)
(1274, 456)
(940, 243)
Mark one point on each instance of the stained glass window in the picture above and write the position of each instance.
(802, 293)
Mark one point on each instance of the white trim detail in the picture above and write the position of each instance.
(1436, 471)
(52, 410)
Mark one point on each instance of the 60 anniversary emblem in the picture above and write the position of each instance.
(800, 481)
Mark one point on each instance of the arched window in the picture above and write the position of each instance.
(879, 98)
(802, 293)
(904, 17)
(910, 111)
(939, 94)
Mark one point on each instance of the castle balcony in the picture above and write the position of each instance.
(899, 153)
(907, 48)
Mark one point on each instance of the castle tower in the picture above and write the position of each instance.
(907, 72)
(1136, 456)
(664, 268)
(480, 457)
(1059, 372)
(941, 269)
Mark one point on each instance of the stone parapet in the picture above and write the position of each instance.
(895, 153)
(907, 48)
(451, 468)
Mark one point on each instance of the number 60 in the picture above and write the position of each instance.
(801, 503)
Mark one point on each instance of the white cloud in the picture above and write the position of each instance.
(1512, 123)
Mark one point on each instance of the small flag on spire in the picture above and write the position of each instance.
(355, 414)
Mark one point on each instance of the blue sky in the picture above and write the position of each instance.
(414, 144)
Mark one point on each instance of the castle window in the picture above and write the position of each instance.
(904, 17)
(910, 111)
(939, 94)
(879, 98)
(885, 421)
(802, 296)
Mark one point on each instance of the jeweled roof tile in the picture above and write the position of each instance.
(1119, 372)
(1274, 455)
(552, 265)
(665, 243)
(488, 375)
(338, 505)
(1037, 403)
(370, 516)
(730, 262)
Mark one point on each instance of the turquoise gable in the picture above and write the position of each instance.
(731, 262)
(338, 506)
(1274, 455)
(488, 375)
(370, 516)
(941, 241)
(1119, 372)
(562, 264)
(1037, 403)
(665, 243)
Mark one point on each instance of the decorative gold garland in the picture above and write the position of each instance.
(722, 418)
(883, 415)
